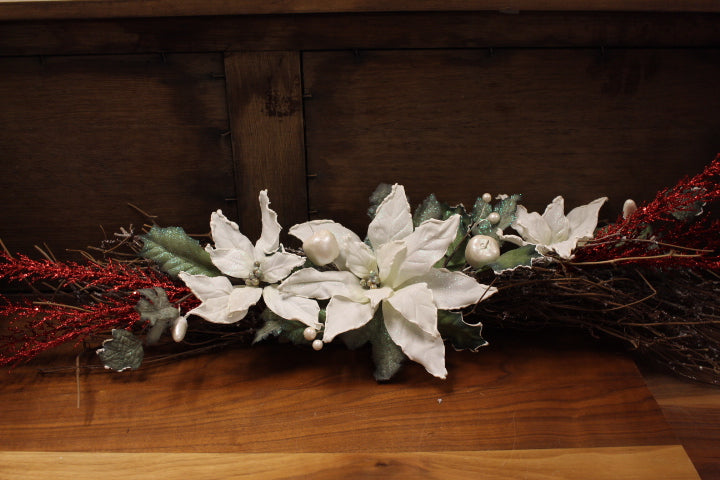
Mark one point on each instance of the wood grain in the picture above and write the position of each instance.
(81, 137)
(361, 31)
(31, 9)
(628, 463)
(516, 394)
(265, 104)
(539, 122)
(693, 411)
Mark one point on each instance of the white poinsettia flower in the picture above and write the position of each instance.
(553, 231)
(396, 273)
(266, 262)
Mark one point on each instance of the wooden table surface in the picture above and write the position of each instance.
(521, 408)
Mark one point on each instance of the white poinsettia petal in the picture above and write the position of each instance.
(242, 298)
(532, 227)
(311, 283)
(359, 257)
(557, 222)
(269, 240)
(292, 307)
(377, 295)
(226, 234)
(514, 239)
(418, 345)
(583, 220)
(215, 310)
(206, 288)
(393, 220)
(415, 303)
(231, 261)
(453, 290)
(562, 249)
(425, 246)
(344, 314)
(303, 231)
(389, 258)
(278, 266)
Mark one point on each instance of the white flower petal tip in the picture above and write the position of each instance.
(321, 247)
(481, 250)
(553, 232)
(629, 207)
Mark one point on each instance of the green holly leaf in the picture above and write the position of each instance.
(507, 208)
(174, 252)
(124, 351)
(517, 257)
(461, 335)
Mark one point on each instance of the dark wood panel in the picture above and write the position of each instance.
(168, 8)
(538, 122)
(515, 394)
(361, 31)
(265, 103)
(82, 136)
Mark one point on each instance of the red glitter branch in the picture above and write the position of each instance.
(39, 326)
(674, 230)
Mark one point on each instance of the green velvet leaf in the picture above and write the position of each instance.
(521, 256)
(461, 335)
(124, 351)
(174, 252)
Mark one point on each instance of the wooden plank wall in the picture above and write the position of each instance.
(451, 103)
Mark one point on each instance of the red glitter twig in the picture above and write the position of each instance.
(674, 230)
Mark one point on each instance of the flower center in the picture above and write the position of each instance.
(371, 281)
(254, 279)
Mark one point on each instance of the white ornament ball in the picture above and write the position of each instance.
(321, 248)
(482, 250)
(493, 217)
(486, 197)
(179, 329)
(309, 333)
(317, 344)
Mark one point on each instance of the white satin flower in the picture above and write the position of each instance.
(395, 272)
(265, 262)
(553, 231)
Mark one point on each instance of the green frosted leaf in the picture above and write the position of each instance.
(386, 355)
(382, 191)
(174, 252)
(517, 257)
(156, 309)
(430, 208)
(462, 336)
(124, 351)
(285, 330)
(480, 210)
(507, 208)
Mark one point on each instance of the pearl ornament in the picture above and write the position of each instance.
(179, 329)
(629, 207)
(481, 250)
(317, 344)
(321, 248)
(309, 333)
(486, 197)
(494, 218)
